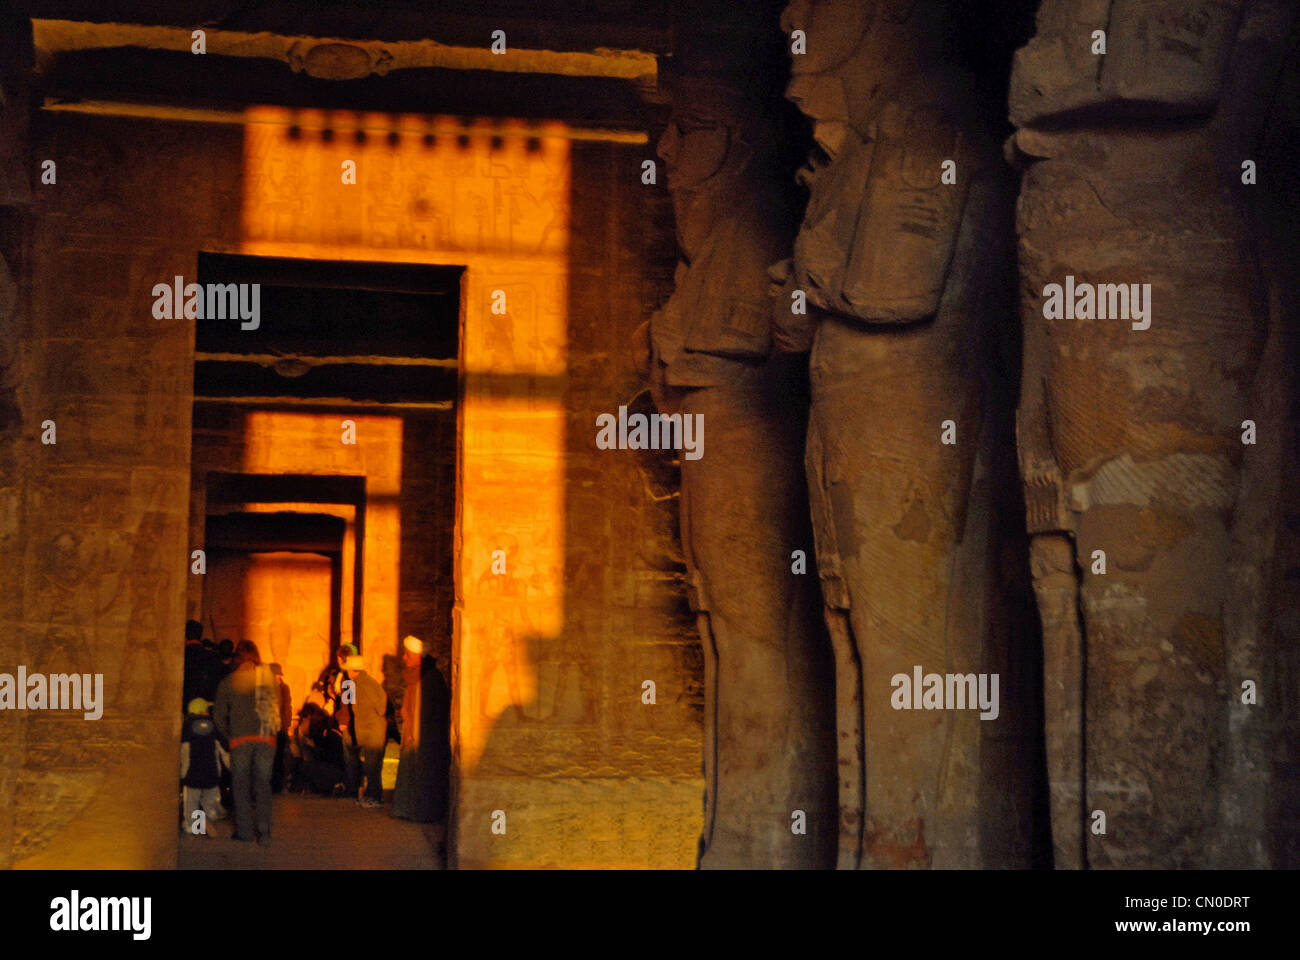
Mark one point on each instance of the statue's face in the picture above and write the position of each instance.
(833, 30)
(700, 154)
(853, 47)
(694, 147)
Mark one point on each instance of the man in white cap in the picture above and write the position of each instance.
(421, 791)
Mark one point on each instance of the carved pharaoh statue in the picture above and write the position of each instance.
(769, 754)
(899, 247)
(1148, 501)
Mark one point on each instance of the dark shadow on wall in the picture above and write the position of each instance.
(1015, 818)
(428, 510)
(1280, 259)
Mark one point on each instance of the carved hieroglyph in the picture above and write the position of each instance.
(895, 263)
(768, 736)
(1131, 439)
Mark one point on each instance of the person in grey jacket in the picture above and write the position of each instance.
(247, 713)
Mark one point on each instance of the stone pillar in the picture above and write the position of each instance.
(899, 249)
(16, 435)
(768, 734)
(1134, 119)
(100, 537)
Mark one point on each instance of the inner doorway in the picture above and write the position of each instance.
(324, 495)
(276, 579)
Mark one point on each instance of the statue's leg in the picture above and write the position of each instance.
(745, 510)
(1154, 707)
(1056, 587)
(709, 650)
(848, 662)
(897, 495)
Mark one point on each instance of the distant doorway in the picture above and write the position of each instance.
(276, 579)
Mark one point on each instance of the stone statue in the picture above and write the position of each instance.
(899, 247)
(1150, 511)
(769, 754)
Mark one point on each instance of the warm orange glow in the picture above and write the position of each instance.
(280, 601)
(285, 442)
(348, 514)
(499, 207)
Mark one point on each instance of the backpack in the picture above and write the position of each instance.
(266, 702)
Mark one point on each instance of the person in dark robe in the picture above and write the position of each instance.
(225, 658)
(422, 771)
(221, 664)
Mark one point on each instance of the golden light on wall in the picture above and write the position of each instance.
(281, 601)
(347, 560)
(292, 442)
(493, 197)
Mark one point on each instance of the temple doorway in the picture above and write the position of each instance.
(323, 501)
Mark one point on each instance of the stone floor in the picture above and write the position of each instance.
(320, 833)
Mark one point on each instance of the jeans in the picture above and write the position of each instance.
(372, 762)
(250, 772)
(281, 767)
(365, 759)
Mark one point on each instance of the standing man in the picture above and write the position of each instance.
(248, 715)
(421, 791)
(369, 728)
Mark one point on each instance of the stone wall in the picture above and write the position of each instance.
(103, 512)
(280, 600)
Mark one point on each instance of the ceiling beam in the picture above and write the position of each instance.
(559, 25)
(340, 58)
(163, 77)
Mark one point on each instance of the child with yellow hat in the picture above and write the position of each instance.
(202, 758)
